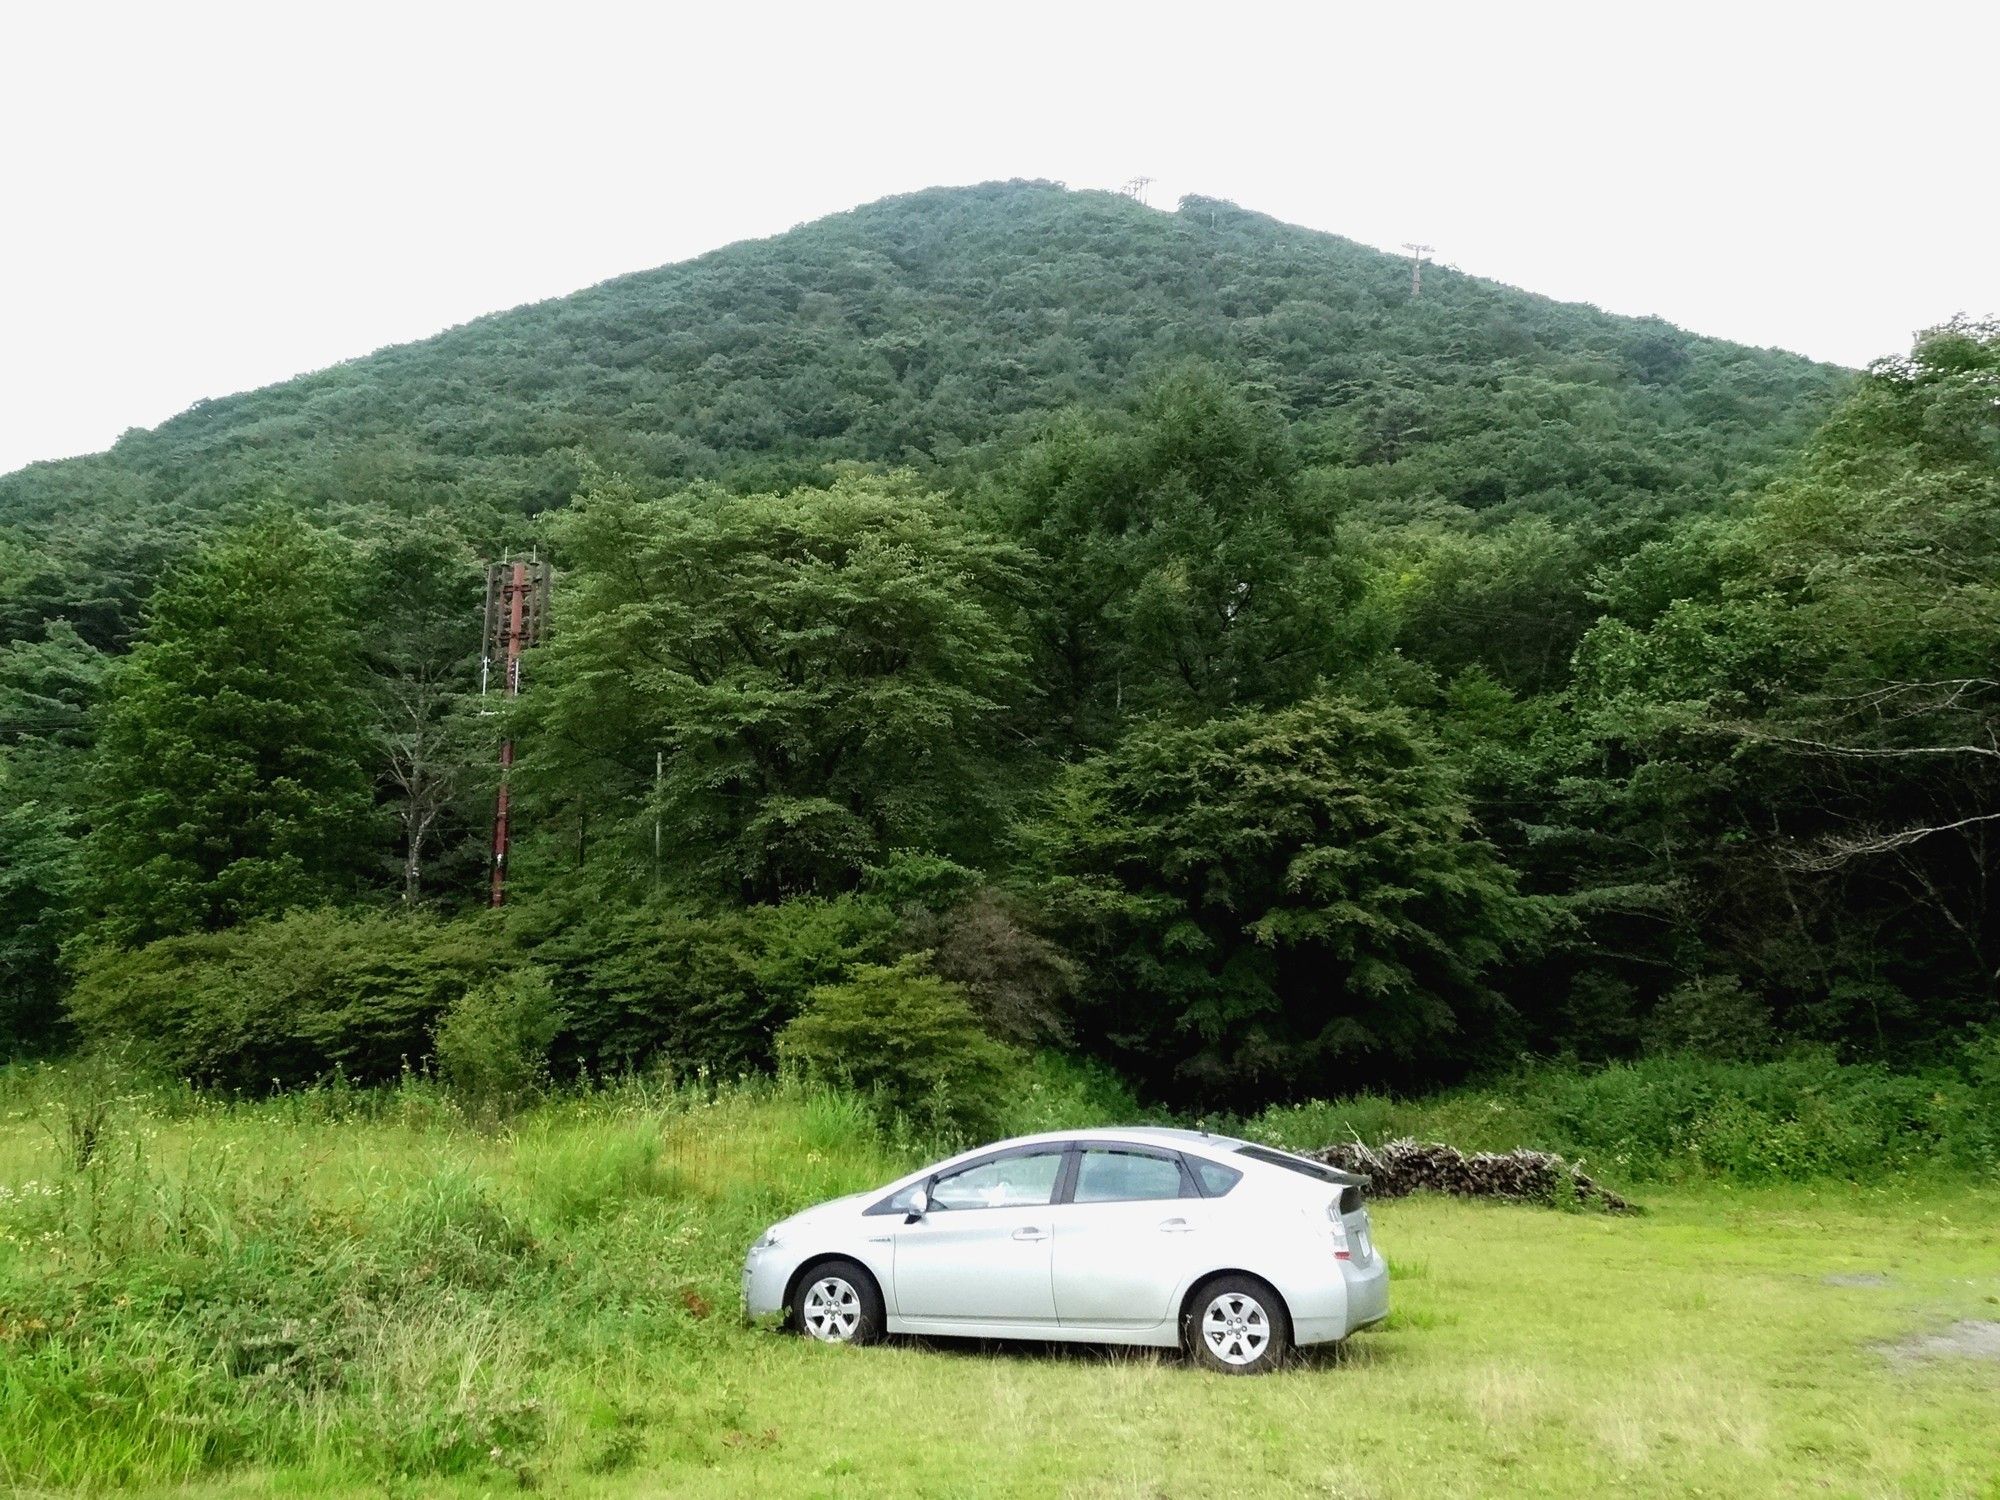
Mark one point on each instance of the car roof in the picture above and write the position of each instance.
(1138, 1134)
(1223, 1147)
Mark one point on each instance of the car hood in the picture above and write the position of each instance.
(833, 1207)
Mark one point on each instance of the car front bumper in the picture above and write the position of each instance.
(765, 1271)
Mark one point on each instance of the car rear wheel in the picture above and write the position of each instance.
(1236, 1325)
(837, 1303)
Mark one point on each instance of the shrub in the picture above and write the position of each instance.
(1713, 1016)
(910, 1037)
(1019, 983)
(700, 990)
(290, 1000)
(493, 1044)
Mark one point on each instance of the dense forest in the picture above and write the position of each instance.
(1005, 619)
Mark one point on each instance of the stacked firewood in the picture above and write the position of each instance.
(1406, 1166)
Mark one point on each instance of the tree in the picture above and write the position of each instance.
(47, 687)
(231, 775)
(784, 685)
(420, 595)
(37, 880)
(1797, 755)
(1272, 895)
(1187, 571)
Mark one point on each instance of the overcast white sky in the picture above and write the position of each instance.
(197, 199)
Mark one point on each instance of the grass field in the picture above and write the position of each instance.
(366, 1293)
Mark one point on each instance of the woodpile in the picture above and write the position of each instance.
(1406, 1166)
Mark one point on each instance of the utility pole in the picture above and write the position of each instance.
(517, 612)
(1417, 254)
(659, 780)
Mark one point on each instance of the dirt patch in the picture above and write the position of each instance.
(1968, 1338)
(1856, 1278)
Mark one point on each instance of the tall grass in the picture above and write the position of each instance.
(355, 1285)
(342, 1278)
(1795, 1119)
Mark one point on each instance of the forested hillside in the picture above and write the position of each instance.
(936, 332)
(1007, 618)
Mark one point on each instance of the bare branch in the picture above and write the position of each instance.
(1861, 752)
(1835, 852)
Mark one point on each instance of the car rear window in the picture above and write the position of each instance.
(1295, 1164)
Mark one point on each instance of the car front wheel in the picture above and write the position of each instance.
(837, 1303)
(1236, 1325)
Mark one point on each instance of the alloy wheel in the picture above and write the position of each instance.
(1236, 1328)
(832, 1310)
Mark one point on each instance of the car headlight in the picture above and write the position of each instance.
(768, 1238)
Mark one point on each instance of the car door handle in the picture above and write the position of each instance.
(1031, 1233)
(1175, 1226)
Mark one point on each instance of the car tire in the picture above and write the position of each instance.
(1236, 1325)
(837, 1302)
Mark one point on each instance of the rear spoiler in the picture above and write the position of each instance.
(1310, 1166)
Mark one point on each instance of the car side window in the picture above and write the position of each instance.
(1022, 1181)
(1111, 1176)
(1216, 1179)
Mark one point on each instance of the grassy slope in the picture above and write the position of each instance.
(325, 1293)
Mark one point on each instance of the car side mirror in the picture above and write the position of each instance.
(920, 1204)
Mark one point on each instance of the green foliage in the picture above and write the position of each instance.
(921, 329)
(291, 1000)
(787, 686)
(1788, 767)
(689, 989)
(230, 778)
(1802, 1117)
(1718, 690)
(37, 892)
(1713, 1016)
(908, 1037)
(1273, 894)
(1187, 570)
(420, 610)
(492, 1045)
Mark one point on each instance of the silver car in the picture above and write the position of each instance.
(1234, 1251)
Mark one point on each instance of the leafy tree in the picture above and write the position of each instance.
(788, 684)
(1794, 759)
(420, 597)
(231, 776)
(1186, 569)
(904, 1033)
(37, 892)
(1276, 894)
(47, 687)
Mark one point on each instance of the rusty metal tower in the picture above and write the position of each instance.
(517, 612)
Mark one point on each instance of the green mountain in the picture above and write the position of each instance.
(935, 331)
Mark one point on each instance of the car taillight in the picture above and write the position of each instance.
(1341, 1249)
